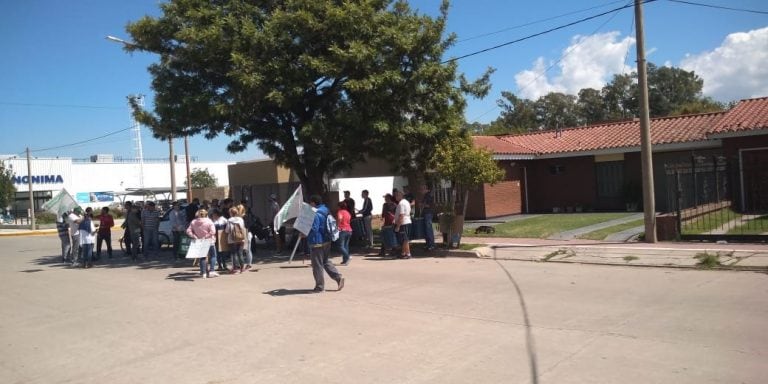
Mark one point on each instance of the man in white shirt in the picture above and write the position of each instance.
(74, 219)
(403, 224)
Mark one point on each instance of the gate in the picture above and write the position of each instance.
(716, 198)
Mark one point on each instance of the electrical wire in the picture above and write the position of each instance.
(537, 22)
(719, 7)
(81, 142)
(57, 105)
(563, 56)
(543, 32)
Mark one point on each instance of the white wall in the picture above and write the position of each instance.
(108, 177)
(377, 187)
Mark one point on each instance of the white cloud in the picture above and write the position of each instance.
(589, 62)
(736, 69)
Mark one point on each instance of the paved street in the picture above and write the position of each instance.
(426, 320)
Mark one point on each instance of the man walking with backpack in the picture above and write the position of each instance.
(319, 241)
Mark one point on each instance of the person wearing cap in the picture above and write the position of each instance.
(150, 221)
(73, 220)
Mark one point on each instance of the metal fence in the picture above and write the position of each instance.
(717, 198)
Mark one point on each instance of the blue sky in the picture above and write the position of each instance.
(63, 82)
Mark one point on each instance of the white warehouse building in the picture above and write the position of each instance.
(100, 180)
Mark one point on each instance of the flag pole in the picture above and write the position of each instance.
(295, 247)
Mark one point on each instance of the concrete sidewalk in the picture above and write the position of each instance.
(663, 254)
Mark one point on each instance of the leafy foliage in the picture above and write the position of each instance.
(318, 85)
(671, 91)
(457, 160)
(7, 189)
(202, 178)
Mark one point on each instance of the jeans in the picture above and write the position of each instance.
(429, 231)
(75, 251)
(66, 247)
(368, 230)
(344, 237)
(87, 253)
(104, 237)
(249, 249)
(176, 243)
(212, 259)
(236, 249)
(321, 262)
(151, 242)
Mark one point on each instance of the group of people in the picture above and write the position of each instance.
(228, 229)
(78, 234)
(397, 213)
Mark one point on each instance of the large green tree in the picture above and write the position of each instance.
(7, 189)
(316, 84)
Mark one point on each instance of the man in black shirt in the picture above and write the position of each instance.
(367, 216)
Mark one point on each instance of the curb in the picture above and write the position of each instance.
(689, 267)
(40, 232)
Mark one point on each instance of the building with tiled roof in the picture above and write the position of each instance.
(597, 166)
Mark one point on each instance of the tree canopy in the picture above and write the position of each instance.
(202, 178)
(7, 189)
(671, 91)
(317, 85)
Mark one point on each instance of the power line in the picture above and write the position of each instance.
(719, 7)
(543, 32)
(57, 105)
(537, 21)
(83, 141)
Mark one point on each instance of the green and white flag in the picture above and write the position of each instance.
(289, 210)
(61, 203)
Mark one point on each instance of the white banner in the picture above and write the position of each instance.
(61, 203)
(198, 248)
(304, 221)
(291, 209)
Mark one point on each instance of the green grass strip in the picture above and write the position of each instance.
(601, 234)
(710, 221)
(548, 224)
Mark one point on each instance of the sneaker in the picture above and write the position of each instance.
(233, 271)
(213, 274)
(345, 263)
(341, 283)
(248, 266)
(203, 276)
(318, 290)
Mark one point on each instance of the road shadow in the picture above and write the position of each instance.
(289, 292)
(183, 276)
(163, 261)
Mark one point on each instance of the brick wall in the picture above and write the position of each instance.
(503, 198)
(573, 185)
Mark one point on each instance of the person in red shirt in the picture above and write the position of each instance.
(105, 232)
(344, 220)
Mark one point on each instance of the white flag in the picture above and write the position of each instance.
(289, 210)
(61, 203)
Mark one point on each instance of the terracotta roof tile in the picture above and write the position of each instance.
(678, 129)
(751, 114)
(500, 147)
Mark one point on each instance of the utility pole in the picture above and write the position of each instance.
(646, 153)
(31, 193)
(189, 173)
(172, 161)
